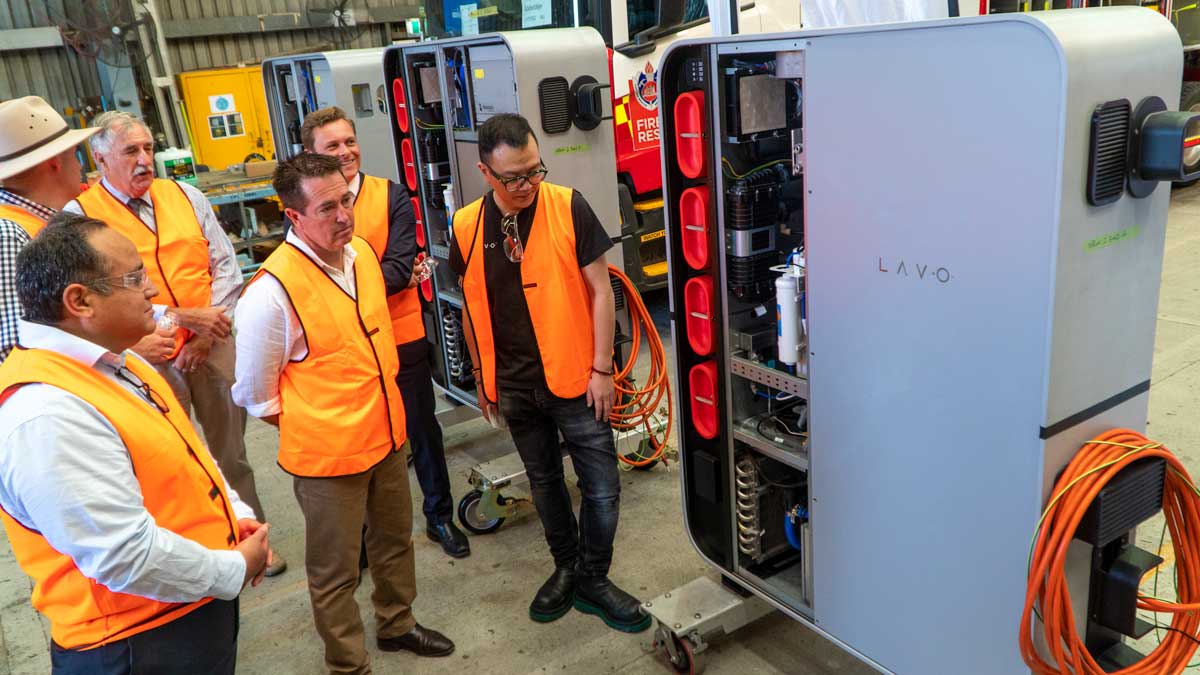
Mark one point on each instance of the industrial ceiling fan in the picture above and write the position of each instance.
(339, 22)
(119, 33)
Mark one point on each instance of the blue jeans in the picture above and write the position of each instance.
(535, 419)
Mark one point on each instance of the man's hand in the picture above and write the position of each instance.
(247, 527)
(273, 420)
(155, 348)
(490, 411)
(193, 354)
(600, 395)
(210, 322)
(256, 549)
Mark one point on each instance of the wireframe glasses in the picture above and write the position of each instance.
(135, 280)
(513, 248)
(514, 183)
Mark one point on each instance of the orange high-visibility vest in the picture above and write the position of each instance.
(181, 488)
(175, 253)
(341, 410)
(371, 223)
(560, 304)
(29, 222)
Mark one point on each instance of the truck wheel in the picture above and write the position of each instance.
(1189, 101)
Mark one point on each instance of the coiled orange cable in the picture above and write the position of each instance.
(1097, 463)
(637, 406)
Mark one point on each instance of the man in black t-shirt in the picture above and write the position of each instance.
(539, 316)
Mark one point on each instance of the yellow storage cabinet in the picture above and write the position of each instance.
(227, 112)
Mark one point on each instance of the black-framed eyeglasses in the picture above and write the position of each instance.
(513, 248)
(135, 280)
(515, 183)
(150, 395)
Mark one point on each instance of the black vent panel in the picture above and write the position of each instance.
(1133, 496)
(554, 100)
(1108, 153)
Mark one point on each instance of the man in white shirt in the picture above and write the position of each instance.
(137, 545)
(317, 358)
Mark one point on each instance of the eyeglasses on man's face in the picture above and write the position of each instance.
(135, 280)
(515, 183)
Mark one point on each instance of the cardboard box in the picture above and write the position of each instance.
(260, 169)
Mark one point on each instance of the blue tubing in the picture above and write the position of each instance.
(796, 515)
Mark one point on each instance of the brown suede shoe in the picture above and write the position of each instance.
(420, 641)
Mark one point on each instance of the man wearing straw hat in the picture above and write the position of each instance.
(40, 172)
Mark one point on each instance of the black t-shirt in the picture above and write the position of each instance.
(518, 361)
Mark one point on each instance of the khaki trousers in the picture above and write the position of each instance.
(207, 392)
(335, 510)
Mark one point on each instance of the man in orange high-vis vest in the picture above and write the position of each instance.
(39, 167)
(539, 320)
(383, 215)
(192, 263)
(317, 358)
(136, 544)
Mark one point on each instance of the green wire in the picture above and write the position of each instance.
(729, 167)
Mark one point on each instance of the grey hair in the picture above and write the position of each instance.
(111, 123)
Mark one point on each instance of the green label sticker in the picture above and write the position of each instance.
(1111, 238)
(567, 149)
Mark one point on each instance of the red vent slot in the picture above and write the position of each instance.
(410, 168)
(693, 224)
(703, 382)
(698, 303)
(427, 290)
(689, 133)
(416, 207)
(401, 104)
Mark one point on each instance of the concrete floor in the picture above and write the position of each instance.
(481, 602)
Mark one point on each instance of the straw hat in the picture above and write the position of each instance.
(32, 132)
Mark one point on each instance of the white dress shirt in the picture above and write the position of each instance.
(66, 473)
(356, 184)
(222, 260)
(269, 333)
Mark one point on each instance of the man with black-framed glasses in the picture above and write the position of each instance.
(539, 320)
(137, 545)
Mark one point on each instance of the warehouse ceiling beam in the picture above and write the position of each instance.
(271, 23)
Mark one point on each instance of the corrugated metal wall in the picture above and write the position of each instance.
(58, 75)
(65, 79)
(227, 50)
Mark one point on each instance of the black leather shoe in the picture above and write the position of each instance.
(618, 609)
(555, 596)
(420, 641)
(453, 541)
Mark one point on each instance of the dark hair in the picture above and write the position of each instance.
(290, 174)
(503, 129)
(319, 118)
(59, 256)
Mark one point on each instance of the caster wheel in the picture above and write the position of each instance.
(644, 467)
(470, 514)
(685, 662)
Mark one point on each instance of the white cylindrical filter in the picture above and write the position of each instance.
(788, 290)
(448, 198)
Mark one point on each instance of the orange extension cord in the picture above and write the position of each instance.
(1096, 464)
(637, 406)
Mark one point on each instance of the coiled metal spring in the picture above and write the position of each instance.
(457, 360)
(747, 490)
